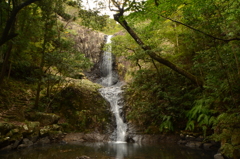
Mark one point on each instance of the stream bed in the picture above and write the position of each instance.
(108, 151)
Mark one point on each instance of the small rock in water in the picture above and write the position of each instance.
(83, 157)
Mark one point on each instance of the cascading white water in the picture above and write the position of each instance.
(107, 64)
(113, 94)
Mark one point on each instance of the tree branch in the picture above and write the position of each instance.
(209, 35)
(6, 36)
(120, 19)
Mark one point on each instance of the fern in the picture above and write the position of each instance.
(190, 125)
(166, 123)
(200, 115)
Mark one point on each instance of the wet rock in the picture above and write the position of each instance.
(74, 137)
(83, 157)
(218, 156)
(25, 143)
(182, 142)
(43, 141)
(81, 137)
(200, 138)
(194, 144)
(7, 148)
(56, 136)
(94, 137)
(198, 144)
(130, 139)
(16, 143)
(190, 138)
(207, 146)
(182, 136)
(33, 137)
(191, 144)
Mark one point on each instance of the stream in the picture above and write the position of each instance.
(108, 151)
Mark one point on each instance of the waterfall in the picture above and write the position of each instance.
(107, 64)
(113, 94)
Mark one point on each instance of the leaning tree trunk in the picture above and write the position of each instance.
(119, 18)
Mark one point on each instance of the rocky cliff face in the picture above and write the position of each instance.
(87, 41)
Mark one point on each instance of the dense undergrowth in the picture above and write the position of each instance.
(160, 100)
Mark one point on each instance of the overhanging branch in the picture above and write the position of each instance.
(120, 19)
(6, 36)
(209, 35)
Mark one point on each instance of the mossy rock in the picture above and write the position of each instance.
(50, 129)
(5, 127)
(83, 107)
(43, 118)
(30, 126)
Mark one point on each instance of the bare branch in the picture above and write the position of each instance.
(209, 35)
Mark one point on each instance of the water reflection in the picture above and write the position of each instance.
(120, 148)
(108, 151)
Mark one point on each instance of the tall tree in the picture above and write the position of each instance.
(8, 33)
(126, 5)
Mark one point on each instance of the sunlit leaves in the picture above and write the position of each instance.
(92, 19)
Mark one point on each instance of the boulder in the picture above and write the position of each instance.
(182, 142)
(207, 146)
(43, 141)
(191, 144)
(81, 137)
(31, 130)
(5, 127)
(25, 143)
(16, 143)
(7, 148)
(218, 156)
(43, 118)
(194, 144)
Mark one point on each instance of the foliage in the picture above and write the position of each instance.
(82, 107)
(201, 37)
(200, 115)
(92, 19)
(42, 52)
(153, 102)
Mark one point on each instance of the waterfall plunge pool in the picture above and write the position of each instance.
(109, 150)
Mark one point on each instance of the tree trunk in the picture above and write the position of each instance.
(6, 34)
(119, 18)
(5, 64)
